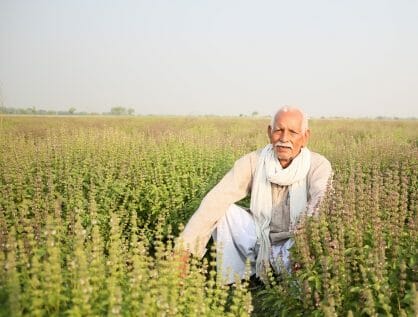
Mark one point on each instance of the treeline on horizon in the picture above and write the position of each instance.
(118, 111)
(122, 111)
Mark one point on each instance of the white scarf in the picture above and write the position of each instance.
(270, 171)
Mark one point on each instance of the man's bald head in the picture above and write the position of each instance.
(304, 117)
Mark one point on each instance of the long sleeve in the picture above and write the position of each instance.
(319, 177)
(234, 186)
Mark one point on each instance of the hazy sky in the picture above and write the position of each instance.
(345, 58)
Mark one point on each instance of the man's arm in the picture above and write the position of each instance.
(234, 186)
(319, 178)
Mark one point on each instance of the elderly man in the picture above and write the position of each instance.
(285, 180)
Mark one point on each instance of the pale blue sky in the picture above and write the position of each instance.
(332, 58)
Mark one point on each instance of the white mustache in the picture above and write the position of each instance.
(289, 145)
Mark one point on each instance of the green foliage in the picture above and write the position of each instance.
(89, 208)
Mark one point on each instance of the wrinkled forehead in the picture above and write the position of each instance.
(291, 118)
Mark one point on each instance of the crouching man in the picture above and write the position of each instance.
(285, 180)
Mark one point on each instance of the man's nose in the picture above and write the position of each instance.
(284, 136)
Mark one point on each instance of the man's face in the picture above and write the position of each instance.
(287, 137)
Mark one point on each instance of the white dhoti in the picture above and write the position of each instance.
(236, 242)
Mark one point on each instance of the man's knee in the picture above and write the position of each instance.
(242, 228)
(238, 217)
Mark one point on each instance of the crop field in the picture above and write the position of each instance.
(90, 208)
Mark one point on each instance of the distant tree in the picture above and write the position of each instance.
(255, 113)
(131, 111)
(118, 111)
(71, 110)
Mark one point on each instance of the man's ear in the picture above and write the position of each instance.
(269, 132)
(306, 137)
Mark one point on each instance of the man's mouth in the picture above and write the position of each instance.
(283, 149)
